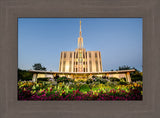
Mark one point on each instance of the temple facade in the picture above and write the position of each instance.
(80, 60)
(81, 64)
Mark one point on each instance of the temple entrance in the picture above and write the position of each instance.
(80, 77)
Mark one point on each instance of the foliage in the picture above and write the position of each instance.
(81, 80)
(63, 79)
(42, 79)
(136, 76)
(100, 80)
(89, 81)
(56, 77)
(95, 88)
(139, 82)
(84, 88)
(114, 79)
(105, 77)
(24, 75)
(124, 67)
(38, 66)
(28, 90)
(123, 81)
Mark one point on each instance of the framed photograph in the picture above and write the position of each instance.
(101, 60)
(113, 71)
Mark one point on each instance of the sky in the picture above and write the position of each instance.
(41, 40)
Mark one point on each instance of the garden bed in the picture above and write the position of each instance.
(78, 91)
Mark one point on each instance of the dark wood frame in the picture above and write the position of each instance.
(10, 10)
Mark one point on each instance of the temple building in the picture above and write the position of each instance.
(81, 64)
(80, 60)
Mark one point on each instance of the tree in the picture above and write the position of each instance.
(38, 66)
(136, 76)
(124, 67)
(24, 75)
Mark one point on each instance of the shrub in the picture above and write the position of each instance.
(139, 82)
(81, 80)
(123, 81)
(56, 77)
(136, 76)
(104, 77)
(93, 76)
(84, 88)
(104, 81)
(63, 79)
(71, 80)
(72, 86)
(89, 81)
(42, 79)
(24, 75)
(114, 79)
(112, 84)
(100, 80)
(92, 85)
(97, 79)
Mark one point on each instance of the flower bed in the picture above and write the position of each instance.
(78, 91)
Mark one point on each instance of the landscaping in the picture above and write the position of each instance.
(68, 89)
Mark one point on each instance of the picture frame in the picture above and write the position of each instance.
(10, 107)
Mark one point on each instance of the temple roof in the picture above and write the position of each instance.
(104, 72)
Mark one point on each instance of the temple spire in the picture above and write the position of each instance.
(80, 39)
(80, 33)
